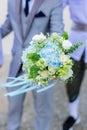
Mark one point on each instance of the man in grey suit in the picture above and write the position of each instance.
(26, 20)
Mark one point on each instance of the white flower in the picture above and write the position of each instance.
(38, 37)
(66, 44)
(44, 74)
(51, 69)
(64, 58)
(68, 75)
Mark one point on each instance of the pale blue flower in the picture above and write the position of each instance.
(50, 55)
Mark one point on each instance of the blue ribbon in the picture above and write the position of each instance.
(27, 85)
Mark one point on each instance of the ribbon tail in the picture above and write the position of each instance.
(21, 90)
(15, 81)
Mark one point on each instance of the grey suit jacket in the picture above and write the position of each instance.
(1, 52)
(46, 16)
(1, 55)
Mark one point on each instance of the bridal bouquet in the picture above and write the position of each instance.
(46, 59)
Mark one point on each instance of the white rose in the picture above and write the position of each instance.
(68, 75)
(51, 69)
(66, 44)
(38, 37)
(64, 58)
(43, 74)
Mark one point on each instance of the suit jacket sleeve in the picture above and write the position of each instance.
(1, 52)
(56, 24)
(6, 28)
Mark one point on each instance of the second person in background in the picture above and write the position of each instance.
(78, 33)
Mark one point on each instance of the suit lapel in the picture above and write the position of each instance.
(35, 7)
(18, 16)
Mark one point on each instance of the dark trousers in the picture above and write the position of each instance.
(73, 86)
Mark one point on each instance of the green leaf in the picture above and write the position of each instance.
(74, 48)
(33, 56)
(34, 71)
(65, 35)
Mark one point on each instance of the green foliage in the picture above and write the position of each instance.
(34, 71)
(73, 48)
(33, 56)
(65, 35)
